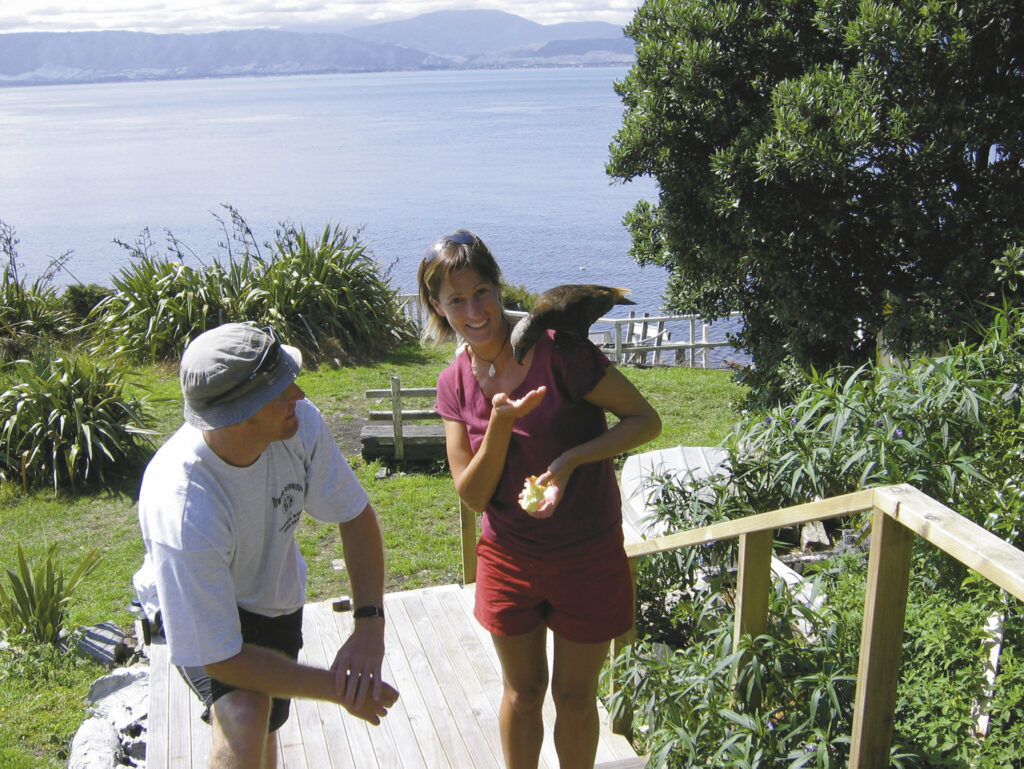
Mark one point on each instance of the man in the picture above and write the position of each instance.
(218, 508)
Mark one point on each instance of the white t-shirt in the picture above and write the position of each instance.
(220, 537)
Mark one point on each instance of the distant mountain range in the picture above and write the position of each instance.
(440, 40)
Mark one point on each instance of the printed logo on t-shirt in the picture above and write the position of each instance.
(288, 505)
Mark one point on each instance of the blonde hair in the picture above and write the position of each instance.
(445, 256)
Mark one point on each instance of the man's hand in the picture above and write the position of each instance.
(357, 677)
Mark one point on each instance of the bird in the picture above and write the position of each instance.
(570, 310)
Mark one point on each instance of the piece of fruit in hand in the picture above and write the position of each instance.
(534, 493)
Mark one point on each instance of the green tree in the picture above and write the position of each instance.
(830, 168)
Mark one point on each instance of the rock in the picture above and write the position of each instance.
(96, 746)
(813, 537)
(104, 643)
(115, 735)
(115, 681)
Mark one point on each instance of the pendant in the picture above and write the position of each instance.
(491, 372)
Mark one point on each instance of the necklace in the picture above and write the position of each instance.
(491, 371)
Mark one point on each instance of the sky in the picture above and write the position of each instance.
(326, 15)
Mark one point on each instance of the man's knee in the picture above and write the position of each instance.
(242, 718)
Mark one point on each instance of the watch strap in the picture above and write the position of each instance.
(368, 611)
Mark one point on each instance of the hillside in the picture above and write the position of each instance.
(441, 40)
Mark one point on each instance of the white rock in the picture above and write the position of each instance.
(96, 746)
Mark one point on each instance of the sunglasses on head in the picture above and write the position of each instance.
(462, 237)
(267, 363)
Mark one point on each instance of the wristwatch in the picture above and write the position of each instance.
(368, 611)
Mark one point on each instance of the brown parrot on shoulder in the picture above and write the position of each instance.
(569, 310)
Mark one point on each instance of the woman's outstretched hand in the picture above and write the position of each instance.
(518, 407)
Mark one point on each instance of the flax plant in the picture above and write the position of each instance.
(38, 598)
(66, 420)
(324, 294)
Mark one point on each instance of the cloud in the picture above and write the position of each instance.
(212, 15)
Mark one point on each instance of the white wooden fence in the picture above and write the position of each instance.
(636, 339)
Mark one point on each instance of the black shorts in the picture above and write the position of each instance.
(282, 634)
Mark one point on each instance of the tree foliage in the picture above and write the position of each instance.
(829, 168)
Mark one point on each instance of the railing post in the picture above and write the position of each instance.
(618, 343)
(658, 342)
(881, 642)
(693, 338)
(467, 532)
(396, 417)
(753, 584)
(622, 723)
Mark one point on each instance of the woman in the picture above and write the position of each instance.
(563, 566)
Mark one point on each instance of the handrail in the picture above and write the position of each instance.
(899, 512)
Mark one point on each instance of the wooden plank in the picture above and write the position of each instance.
(319, 639)
(623, 723)
(753, 583)
(453, 687)
(480, 700)
(396, 418)
(969, 543)
(406, 392)
(322, 726)
(412, 433)
(388, 416)
(369, 746)
(857, 502)
(444, 722)
(881, 645)
(416, 739)
(157, 738)
(180, 726)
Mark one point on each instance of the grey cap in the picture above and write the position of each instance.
(230, 372)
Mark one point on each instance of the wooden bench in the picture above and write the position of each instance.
(395, 434)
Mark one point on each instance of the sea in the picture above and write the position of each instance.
(401, 158)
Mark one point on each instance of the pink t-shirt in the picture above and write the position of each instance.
(590, 506)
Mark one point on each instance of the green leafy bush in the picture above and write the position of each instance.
(323, 294)
(79, 299)
(950, 426)
(795, 701)
(517, 297)
(37, 602)
(66, 420)
(796, 693)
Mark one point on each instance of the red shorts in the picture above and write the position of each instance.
(584, 595)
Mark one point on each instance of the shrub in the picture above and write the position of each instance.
(26, 309)
(517, 297)
(79, 299)
(324, 294)
(38, 598)
(951, 426)
(66, 420)
(796, 697)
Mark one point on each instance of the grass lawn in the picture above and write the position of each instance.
(42, 696)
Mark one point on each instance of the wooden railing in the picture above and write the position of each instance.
(899, 512)
(642, 339)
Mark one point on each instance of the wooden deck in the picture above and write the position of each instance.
(437, 656)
